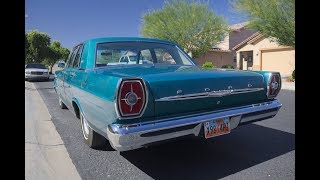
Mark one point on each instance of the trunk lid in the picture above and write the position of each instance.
(189, 89)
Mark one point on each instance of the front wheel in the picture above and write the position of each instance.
(91, 138)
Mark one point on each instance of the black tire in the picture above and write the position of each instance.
(61, 104)
(91, 138)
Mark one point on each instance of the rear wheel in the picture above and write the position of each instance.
(91, 138)
(61, 104)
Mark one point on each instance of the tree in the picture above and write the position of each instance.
(273, 18)
(191, 25)
(28, 58)
(55, 52)
(38, 43)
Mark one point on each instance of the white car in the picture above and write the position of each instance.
(36, 72)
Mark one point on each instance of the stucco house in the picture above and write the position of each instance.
(248, 49)
(223, 53)
(258, 52)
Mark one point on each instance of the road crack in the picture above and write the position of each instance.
(45, 144)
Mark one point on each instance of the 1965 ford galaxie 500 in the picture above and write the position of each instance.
(162, 95)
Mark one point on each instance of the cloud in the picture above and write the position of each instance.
(26, 15)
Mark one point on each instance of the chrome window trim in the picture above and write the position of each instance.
(117, 99)
(219, 93)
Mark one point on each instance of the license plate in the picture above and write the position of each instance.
(216, 127)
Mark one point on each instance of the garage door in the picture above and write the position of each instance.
(280, 60)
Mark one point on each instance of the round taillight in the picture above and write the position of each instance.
(131, 98)
(274, 85)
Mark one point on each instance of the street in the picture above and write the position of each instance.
(263, 150)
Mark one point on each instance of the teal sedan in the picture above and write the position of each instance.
(159, 94)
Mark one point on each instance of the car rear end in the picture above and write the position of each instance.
(172, 97)
(200, 109)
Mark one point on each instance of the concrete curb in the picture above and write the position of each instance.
(45, 154)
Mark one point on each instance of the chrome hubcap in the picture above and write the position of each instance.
(85, 127)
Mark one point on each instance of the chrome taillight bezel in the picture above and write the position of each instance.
(120, 114)
(268, 85)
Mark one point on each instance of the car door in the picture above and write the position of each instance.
(75, 75)
(68, 76)
(61, 76)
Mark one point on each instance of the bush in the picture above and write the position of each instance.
(208, 65)
(227, 66)
(293, 74)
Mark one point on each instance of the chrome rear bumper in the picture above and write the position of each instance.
(133, 136)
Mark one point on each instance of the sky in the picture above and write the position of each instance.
(73, 21)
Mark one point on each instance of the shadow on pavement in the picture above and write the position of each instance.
(216, 158)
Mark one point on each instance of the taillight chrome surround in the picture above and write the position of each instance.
(132, 94)
(273, 86)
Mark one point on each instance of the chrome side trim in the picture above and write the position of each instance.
(219, 93)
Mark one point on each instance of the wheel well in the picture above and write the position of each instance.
(76, 109)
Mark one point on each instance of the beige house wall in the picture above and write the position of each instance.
(280, 60)
(264, 45)
(217, 58)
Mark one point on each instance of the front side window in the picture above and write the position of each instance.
(77, 58)
(128, 53)
(71, 57)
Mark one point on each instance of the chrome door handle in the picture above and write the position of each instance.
(83, 83)
(72, 74)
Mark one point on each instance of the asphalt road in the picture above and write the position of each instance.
(263, 150)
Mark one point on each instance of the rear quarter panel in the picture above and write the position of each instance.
(95, 94)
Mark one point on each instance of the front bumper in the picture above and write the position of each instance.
(133, 136)
(34, 76)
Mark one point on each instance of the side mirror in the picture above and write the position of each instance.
(61, 65)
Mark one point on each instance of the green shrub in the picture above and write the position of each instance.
(227, 66)
(293, 74)
(208, 65)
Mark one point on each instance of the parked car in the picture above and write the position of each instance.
(58, 66)
(36, 72)
(131, 59)
(135, 105)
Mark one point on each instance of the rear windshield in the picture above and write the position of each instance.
(130, 53)
(37, 66)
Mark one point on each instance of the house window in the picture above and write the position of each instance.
(234, 59)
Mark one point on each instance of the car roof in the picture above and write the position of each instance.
(119, 39)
